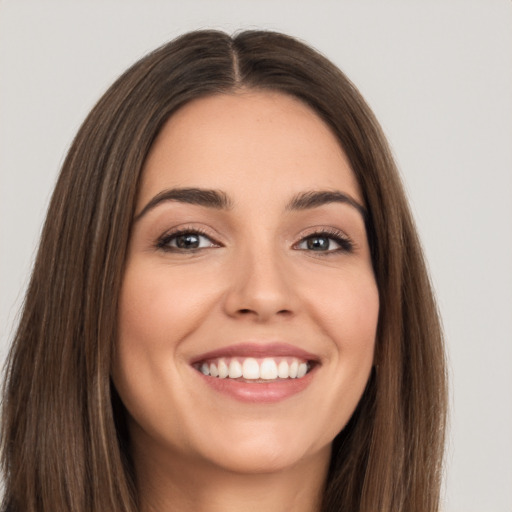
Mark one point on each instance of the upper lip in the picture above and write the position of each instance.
(257, 350)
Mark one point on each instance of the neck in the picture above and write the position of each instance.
(180, 486)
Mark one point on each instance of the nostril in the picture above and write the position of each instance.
(247, 311)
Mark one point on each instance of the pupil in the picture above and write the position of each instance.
(188, 241)
(318, 243)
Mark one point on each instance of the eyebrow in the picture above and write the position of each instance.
(198, 196)
(314, 199)
(219, 200)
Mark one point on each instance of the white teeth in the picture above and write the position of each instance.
(223, 369)
(303, 369)
(268, 369)
(213, 370)
(283, 370)
(251, 368)
(235, 369)
(294, 368)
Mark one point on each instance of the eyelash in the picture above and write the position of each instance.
(341, 239)
(164, 241)
(345, 243)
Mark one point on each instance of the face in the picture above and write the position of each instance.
(249, 307)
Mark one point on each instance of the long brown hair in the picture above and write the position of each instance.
(64, 440)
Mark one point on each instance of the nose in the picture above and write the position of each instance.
(261, 287)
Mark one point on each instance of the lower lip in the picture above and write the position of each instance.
(259, 392)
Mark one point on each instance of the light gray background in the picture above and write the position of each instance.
(438, 75)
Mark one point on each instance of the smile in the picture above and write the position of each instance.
(255, 369)
(257, 373)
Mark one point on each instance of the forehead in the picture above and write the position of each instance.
(250, 144)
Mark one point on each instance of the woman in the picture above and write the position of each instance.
(229, 307)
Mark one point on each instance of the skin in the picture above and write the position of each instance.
(253, 279)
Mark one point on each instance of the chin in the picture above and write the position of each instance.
(264, 449)
(261, 461)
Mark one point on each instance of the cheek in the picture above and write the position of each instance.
(352, 325)
(160, 307)
(346, 306)
(156, 311)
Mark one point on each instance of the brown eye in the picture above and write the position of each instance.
(325, 242)
(318, 243)
(185, 241)
(188, 241)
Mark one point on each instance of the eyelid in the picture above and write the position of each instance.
(164, 239)
(346, 244)
(340, 237)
